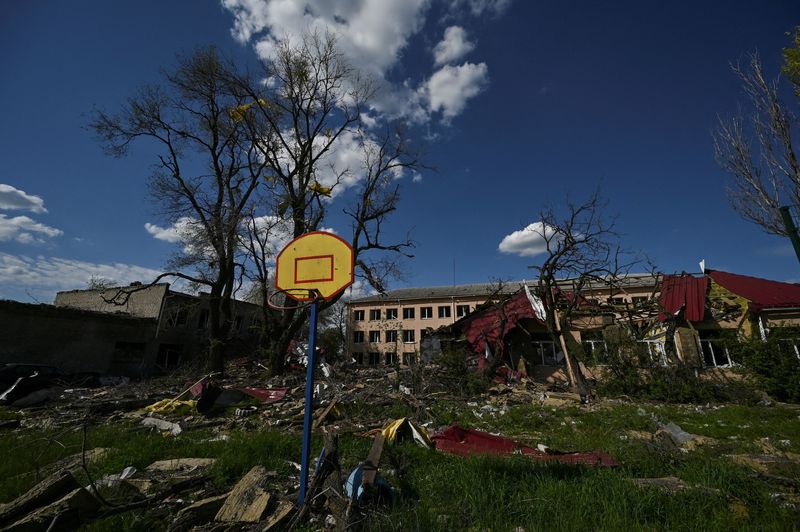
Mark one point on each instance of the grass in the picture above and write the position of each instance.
(442, 492)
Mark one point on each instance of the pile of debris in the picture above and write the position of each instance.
(240, 400)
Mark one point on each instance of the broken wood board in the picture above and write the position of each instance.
(197, 513)
(373, 459)
(248, 500)
(180, 464)
(66, 512)
(276, 518)
(45, 492)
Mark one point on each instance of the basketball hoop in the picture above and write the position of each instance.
(300, 297)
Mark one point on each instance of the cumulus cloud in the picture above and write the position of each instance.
(177, 232)
(372, 35)
(15, 199)
(453, 46)
(529, 241)
(450, 87)
(44, 276)
(25, 230)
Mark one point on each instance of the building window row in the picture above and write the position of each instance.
(409, 313)
(409, 336)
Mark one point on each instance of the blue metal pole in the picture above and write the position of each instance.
(312, 333)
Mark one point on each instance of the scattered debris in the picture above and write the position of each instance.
(674, 437)
(457, 440)
(162, 425)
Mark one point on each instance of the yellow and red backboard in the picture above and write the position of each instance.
(314, 261)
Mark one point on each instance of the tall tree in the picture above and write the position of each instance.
(759, 149)
(313, 103)
(581, 247)
(207, 170)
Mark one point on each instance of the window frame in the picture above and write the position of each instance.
(409, 336)
(426, 310)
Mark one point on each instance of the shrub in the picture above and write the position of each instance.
(773, 364)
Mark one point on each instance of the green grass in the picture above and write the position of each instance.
(442, 492)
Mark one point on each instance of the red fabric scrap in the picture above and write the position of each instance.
(492, 324)
(266, 395)
(464, 442)
(762, 293)
(684, 292)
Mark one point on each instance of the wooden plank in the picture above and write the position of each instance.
(373, 459)
(50, 489)
(248, 499)
(67, 511)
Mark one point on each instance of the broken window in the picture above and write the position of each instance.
(617, 301)
(715, 352)
(408, 336)
(169, 356)
(358, 337)
(408, 313)
(545, 352)
(391, 359)
(594, 347)
(374, 314)
(638, 300)
(462, 310)
(654, 348)
(374, 337)
(358, 315)
(359, 358)
(426, 313)
(409, 358)
(374, 358)
(444, 311)
(179, 317)
(391, 313)
(391, 336)
(789, 345)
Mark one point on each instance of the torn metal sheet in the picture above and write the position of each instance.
(458, 440)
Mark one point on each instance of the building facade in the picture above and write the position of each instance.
(395, 327)
(155, 330)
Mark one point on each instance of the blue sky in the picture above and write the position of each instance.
(516, 104)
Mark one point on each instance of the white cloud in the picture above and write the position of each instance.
(479, 7)
(25, 230)
(372, 35)
(453, 46)
(14, 199)
(529, 241)
(177, 232)
(450, 87)
(44, 276)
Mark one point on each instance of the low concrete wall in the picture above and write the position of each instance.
(76, 340)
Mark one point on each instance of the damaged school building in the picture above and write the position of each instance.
(693, 316)
(155, 329)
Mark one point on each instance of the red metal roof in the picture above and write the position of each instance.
(492, 324)
(762, 293)
(684, 292)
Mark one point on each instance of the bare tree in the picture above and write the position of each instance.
(313, 106)
(208, 167)
(581, 247)
(759, 150)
